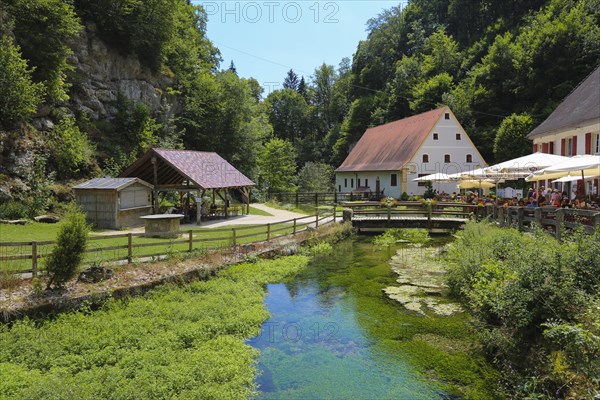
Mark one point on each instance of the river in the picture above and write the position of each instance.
(333, 334)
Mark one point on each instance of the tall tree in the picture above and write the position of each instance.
(277, 166)
(232, 68)
(291, 80)
(302, 88)
(511, 140)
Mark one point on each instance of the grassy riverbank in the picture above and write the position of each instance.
(184, 342)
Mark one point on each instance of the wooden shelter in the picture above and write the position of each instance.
(114, 203)
(188, 171)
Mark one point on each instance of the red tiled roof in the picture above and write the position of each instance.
(388, 147)
(206, 170)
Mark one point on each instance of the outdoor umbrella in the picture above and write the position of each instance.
(480, 184)
(437, 177)
(523, 166)
(584, 164)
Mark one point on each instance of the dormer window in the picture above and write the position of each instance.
(436, 136)
(447, 116)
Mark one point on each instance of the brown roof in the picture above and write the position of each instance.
(580, 107)
(206, 170)
(110, 183)
(388, 147)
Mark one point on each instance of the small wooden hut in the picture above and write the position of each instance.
(114, 203)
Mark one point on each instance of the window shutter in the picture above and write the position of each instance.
(574, 149)
(535, 148)
(563, 147)
(588, 143)
(545, 148)
(551, 148)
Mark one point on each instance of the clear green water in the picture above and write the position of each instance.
(334, 335)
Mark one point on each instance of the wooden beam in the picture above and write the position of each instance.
(155, 190)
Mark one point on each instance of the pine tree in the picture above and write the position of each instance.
(302, 87)
(291, 80)
(232, 68)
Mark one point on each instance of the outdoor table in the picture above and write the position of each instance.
(162, 225)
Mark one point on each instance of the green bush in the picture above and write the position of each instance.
(404, 196)
(13, 210)
(66, 256)
(535, 303)
(399, 235)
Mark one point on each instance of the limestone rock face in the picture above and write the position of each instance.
(101, 73)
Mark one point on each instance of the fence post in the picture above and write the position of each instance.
(537, 216)
(233, 237)
(520, 215)
(560, 219)
(316, 199)
(191, 240)
(334, 211)
(317, 220)
(268, 232)
(294, 230)
(389, 213)
(129, 248)
(34, 259)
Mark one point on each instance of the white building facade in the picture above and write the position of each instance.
(413, 147)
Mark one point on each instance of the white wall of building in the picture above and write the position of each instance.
(346, 182)
(446, 144)
(580, 132)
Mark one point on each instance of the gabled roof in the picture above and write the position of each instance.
(578, 108)
(110, 183)
(388, 147)
(206, 170)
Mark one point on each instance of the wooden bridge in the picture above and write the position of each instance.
(433, 217)
(451, 216)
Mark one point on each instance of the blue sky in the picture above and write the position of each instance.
(267, 38)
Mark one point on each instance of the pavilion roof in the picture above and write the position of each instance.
(205, 170)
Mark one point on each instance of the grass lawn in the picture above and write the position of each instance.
(256, 211)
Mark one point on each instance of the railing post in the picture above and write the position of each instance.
(334, 211)
(233, 237)
(560, 219)
(34, 259)
(509, 217)
(520, 216)
(190, 240)
(596, 221)
(317, 220)
(129, 248)
(268, 232)
(389, 213)
(537, 216)
(294, 229)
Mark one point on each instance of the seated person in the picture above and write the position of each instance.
(213, 209)
(202, 209)
(541, 201)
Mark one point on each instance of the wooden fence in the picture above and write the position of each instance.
(128, 247)
(556, 220)
(307, 198)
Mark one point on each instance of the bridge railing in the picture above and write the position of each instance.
(556, 220)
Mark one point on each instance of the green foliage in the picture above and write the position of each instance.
(399, 235)
(19, 95)
(68, 253)
(316, 177)
(404, 196)
(38, 181)
(277, 165)
(511, 140)
(429, 191)
(14, 210)
(174, 342)
(71, 149)
(533, 299)
(43, 29)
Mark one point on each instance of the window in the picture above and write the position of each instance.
(339, 188)
(366, 183)
(422, 183)
(358, 182)
(446, 158)
(425, 158)
(435, 136)
(394, 180)
(345, 182)
(597, 147)
(352, 182)
(458, 136)
(447, 116)
(569, 146)
(469, 158)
